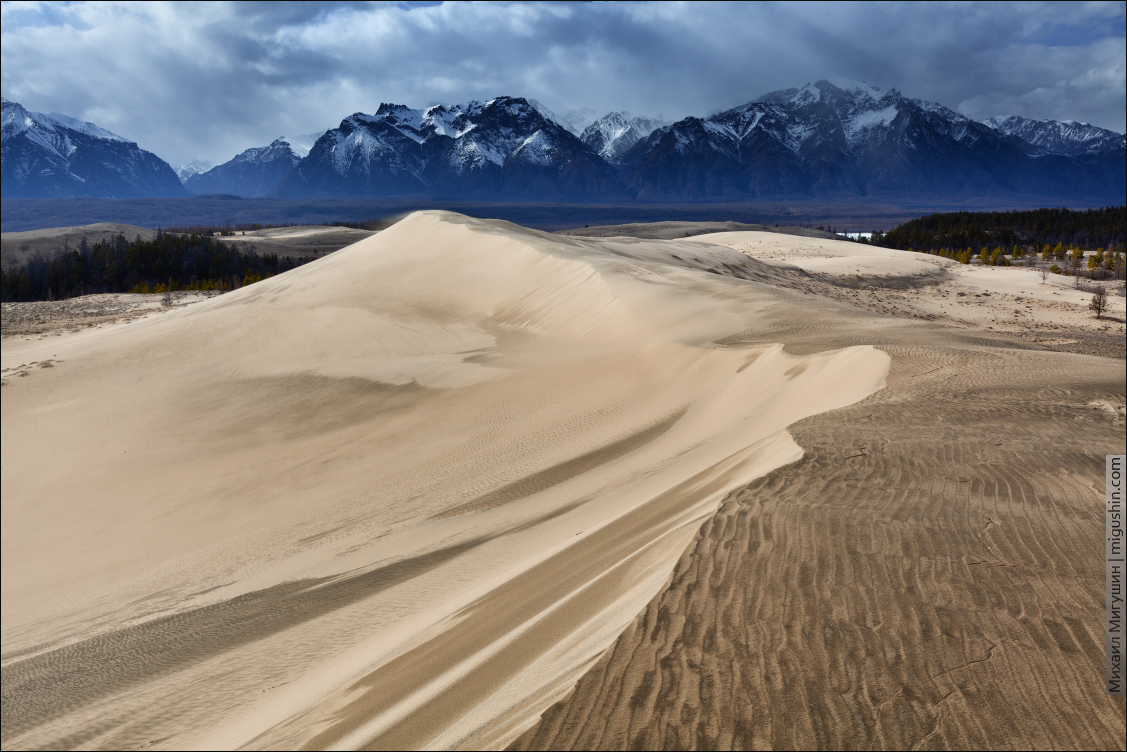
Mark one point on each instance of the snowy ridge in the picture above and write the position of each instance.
(300, 145)
(59, 156)
(194, 167)
(52, 132)
(615, 133)
(1058, 136)
(504, 144)
(865, 114)
(373, 137)
(833, 136)
(844, 137)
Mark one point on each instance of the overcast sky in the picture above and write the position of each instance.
(188, 80)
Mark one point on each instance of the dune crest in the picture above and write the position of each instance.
(401, 496)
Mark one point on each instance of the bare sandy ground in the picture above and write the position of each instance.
(928, 576)
(406, 496)
(676, 230)
(58, 317)
(1014, 300)
(401, 496)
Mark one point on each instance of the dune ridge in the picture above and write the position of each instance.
(928, 576)
(400, 496)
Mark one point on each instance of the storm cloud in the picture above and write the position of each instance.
(206, 81)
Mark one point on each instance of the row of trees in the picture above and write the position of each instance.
(1032, 230)
(167, 262)
(1100, 264)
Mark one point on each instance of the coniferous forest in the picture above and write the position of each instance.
(169, 261)
(1086, 229)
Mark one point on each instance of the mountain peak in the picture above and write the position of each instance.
(55, 155)
(390, 108)
(615, 133)
(195, 166)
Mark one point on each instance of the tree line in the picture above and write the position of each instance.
(169, 261)
(1031, 230)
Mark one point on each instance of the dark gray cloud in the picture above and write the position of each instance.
(206, 81)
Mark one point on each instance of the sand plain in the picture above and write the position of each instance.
(407, 496)
(674, 230)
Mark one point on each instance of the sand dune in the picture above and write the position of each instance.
(402, 496)
(928, 576)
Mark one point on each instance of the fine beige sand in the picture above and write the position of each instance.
(928, 576)
(1015, 300)
(403, 496)
(674, 230)
(466, 485)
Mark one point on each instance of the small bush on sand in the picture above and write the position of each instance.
(1099, 301)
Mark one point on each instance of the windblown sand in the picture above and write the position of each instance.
(409, 494)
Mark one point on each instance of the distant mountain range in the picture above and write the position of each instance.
(504, 147)
(50, 156)
(835, 139)
(839, 138)
(256, 171)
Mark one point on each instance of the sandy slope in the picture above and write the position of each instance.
(928, 576)
(401, 496)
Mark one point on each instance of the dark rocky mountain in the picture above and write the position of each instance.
(502, 148)
(841, 139)
(255, 171)
(55, 156)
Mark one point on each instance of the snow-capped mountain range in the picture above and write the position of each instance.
(501, 147)
(838, 138)
(48, 156)
(835, 139)
(1039, 137)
